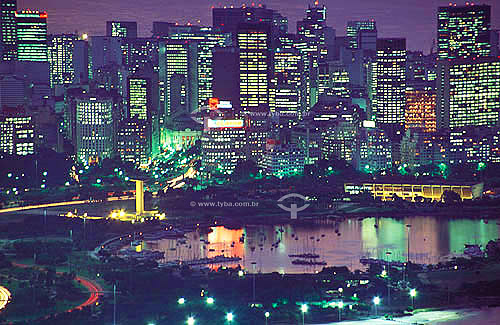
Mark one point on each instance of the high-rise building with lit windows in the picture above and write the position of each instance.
(206, 38)
(387, 82)
(372, 150)
(17, 134)
(178, 58)
(31, 35)
(8, 29)
(95, 128)
(362, 34)
(463, 31)
(420, 110)
(133, 141)
(228, 20)
(121, 29)
(60, 55)
(468, 92)
(286, 86)
(253, 43)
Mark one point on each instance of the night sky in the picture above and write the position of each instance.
(413, 19)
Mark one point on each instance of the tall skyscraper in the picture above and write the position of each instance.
(178, 58)
(229, 19)
(8, 29)
(362, 34)
(226, 75)
(207, 39)
(60, 55)
(468, 92)
(31, 36)
(253, 43)
(121, 29)
(94, 128)
(387, 82)
(463, 31)
(133, 141)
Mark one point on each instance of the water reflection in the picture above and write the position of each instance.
(338, 243)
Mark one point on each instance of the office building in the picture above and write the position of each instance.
(282, 161)
(253, 44)
(178, 71)
(133, 141)
(31, 35)
(13, 90)
(95, 128)
(60, 55)
(362, 34)
(207, 39)
(8, 30)
(468, 92)
(228, 20)
(420, 110)
(17, 134)
(387, 82)
(121, 29)
(464, 31)
(372, 150)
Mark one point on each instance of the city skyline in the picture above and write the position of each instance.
(417, 24)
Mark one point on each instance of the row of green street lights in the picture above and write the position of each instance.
(303, 308)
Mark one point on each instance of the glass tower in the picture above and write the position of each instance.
(387, 82)
(464, 31)
(31, 35)
(8, 29)
(60, 55)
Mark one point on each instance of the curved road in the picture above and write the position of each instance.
(4, 297)
(93, 288)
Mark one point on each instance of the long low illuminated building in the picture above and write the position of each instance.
(386, 191)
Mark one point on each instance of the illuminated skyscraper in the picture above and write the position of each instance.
(31, 36)
(8, 29)
(286, 85)
(229, 19)
(468, 92)
(207, 39)
(133, 141)
(60, 54)
(178, 58)
(121, 29)
(138, 52)
(94, 128)
(362, 34)
(464, 31)
(387, 82)
(253, 43)
(420, 111)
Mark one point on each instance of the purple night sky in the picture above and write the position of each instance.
(413, 19)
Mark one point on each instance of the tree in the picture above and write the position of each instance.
(450, 197)
(244, 171)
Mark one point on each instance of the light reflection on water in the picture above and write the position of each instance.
(338, 243)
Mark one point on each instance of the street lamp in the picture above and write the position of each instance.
(229, 317)
(210, 301)
(267, 314)
(241, 273)
(190, 320)
(303, 309)
(181, 301)
(413, 294)
(376, 302)
(340, 305)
